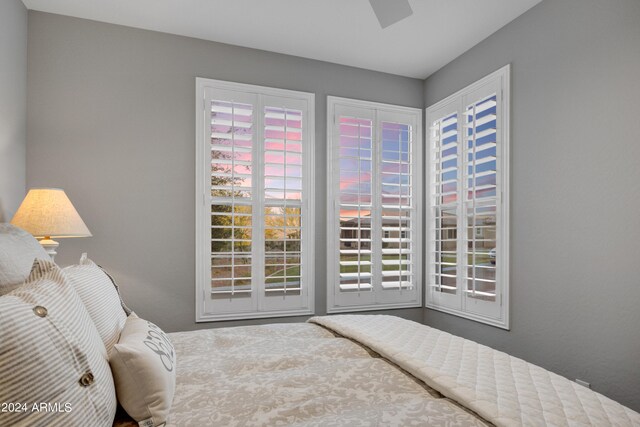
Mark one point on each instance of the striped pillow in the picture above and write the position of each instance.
(18, 249)
(101, 298)
(54, 365)
(126, 309)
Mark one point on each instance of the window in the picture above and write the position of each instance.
(374, 238)
(254, 232)
(468, 219)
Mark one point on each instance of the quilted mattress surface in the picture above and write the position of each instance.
(502, 389)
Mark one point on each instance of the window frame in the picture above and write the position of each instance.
(387, 113)
(204, 198)
(456, 102)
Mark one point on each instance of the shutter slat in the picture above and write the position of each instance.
(482, 134)
(233, 136)
(449, 121)
(397, 285)
(352, 263)
(396, 251)
(230, 292)
(482, 107)
(231, 162)
(395, 262)
(441, 148)
(353, 287)
(483, 160)
(235, 124)
(230, 148)
(355, 275)
(481, 121)
(486, 294)
(449, 134)
(395, 273)
(245, 111)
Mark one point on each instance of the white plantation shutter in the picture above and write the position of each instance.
(233, 141)
(398, 174)
(355, 202)
(285, 220)
(374, 206)
(254, 225)
(444, 213)
(467, 243)
(481, 199)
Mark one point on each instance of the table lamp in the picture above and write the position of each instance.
(47, 213)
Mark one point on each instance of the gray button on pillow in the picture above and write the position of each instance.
(18, 249)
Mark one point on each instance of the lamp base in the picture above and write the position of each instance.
(50, 247)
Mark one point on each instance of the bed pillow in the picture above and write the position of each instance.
(100, 297)
(143, 363)
(54, 363)
(126, 309)
(18, 249)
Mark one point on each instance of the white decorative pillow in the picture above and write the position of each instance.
(18, 249)
(53, 363)
(144, 370)
(101, 298)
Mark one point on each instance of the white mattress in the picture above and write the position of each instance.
(502, 389)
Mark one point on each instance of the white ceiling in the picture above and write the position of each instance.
(340, 31)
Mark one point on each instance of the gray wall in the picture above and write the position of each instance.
(13, 106)
(575, 195)
(111, 119)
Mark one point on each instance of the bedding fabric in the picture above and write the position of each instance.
(53, 365)
(18, 249)
(100, 297)
(502, 389)
(296, 375)
(143, 363)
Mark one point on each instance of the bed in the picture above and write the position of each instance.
(297, 374)
(331, 371)
(65, 331)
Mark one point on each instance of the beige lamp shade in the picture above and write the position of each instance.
(48, 213)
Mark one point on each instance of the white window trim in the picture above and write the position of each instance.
(502, 255)
(333, 171)
(203, 203)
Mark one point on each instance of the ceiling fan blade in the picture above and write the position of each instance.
(391, 11)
